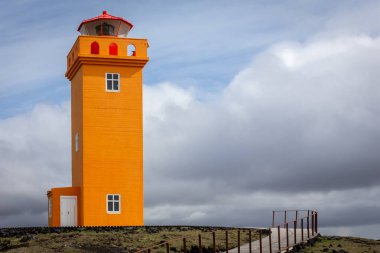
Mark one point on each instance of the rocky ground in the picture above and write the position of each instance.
(115, 239)
(132, 239)
(337, 244)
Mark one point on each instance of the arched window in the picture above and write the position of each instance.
(113, 49)
(131, 50)
(94, 48)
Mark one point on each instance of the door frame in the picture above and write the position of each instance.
(75, 209)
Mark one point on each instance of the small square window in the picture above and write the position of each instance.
(113, 203)
(112, 82)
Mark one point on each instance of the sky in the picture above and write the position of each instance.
(249, 107)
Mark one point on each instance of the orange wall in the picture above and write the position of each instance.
(112, 140)
(77, 127)
(110, 127)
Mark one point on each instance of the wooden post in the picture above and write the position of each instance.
(287, 236)
(261, 243)
(227, 241)
(302, 229)
(167, 248)
(285, 219)
(270, 241)
(184, 245)
(308, 227)
(316, 222)
(200, 243)
(238, 241)
(295, 232)
(273, 213)
(312, 223)
(279, 238)
(250, 241)
(213, 242)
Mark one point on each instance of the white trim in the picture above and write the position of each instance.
(118, 78)
(113, 212)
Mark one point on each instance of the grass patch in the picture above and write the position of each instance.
(337, 244)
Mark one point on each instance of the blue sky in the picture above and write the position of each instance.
(198, 43)
(241, 100)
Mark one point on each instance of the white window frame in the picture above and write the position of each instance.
(113, 201)
(112, 80)
(76, 142)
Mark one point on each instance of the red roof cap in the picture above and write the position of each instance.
(105, 15)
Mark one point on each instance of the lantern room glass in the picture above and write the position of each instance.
(105, 29)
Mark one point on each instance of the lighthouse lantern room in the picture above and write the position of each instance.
(105, 25)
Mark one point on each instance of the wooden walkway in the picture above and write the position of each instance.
(255, 245)
(283, 237)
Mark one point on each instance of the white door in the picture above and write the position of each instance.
(69, 215)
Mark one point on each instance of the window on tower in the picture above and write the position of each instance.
(76, 142)
(94, 47)
(113, 82)
(49, 207)
(113, 203)
(113, 49)
(131, 50)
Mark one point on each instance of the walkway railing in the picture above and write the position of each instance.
(295, 227)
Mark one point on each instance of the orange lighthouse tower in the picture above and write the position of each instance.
(105, 69)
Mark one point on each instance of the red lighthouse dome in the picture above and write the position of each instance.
(105, 25)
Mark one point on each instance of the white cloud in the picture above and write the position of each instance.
(280, 136)
(296, 55)
(161, 98)
(34, 157)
